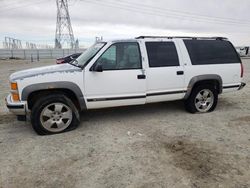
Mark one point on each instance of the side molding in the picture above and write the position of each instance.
(205, 77)
(55, 85)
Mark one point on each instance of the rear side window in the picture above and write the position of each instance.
(204, 52)
(162, 54)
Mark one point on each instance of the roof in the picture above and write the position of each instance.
(183, 37)
(125, 40)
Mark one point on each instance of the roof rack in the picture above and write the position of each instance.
(182, 37)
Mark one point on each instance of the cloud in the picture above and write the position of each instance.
(35, 20)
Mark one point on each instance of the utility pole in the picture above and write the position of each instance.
(64, 32)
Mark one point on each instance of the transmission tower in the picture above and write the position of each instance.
(64, 32)
(11, 43)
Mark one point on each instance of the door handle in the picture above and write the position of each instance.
(180, 72)
(141, 76)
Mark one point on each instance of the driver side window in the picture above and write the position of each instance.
(108, 59)
(121, 56)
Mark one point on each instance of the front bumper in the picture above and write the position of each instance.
(18, 108)
(242, 85)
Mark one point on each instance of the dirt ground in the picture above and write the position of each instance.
(158, 145)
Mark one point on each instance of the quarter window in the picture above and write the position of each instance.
(162, 54)
(204, 52)
(121, 56)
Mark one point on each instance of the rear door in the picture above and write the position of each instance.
(165, 73)
(213, 57)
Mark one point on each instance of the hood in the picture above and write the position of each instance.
(43, 70)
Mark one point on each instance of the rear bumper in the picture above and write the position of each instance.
(18, 108)
(242, 85)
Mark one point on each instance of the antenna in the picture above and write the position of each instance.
(64, 33)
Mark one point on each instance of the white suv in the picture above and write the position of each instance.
(127, 72)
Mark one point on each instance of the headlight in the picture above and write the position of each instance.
(14, 91)
(15, 96)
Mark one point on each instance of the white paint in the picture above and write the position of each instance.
(124, 83)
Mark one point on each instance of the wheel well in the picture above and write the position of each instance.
(214, 83)
(32, 98)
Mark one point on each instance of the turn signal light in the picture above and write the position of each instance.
(13, 86)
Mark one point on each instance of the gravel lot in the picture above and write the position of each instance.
(158, 145)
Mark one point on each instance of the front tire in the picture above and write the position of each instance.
(203, 99)
(54, 114)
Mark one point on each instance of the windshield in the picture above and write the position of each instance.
(88, 54)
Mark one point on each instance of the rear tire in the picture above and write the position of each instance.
(202, 99)
(54, 114)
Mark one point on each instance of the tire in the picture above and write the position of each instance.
(54, 114)
(199, 102)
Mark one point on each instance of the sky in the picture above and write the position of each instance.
(35, 20)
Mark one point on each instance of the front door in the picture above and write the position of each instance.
(122, 80)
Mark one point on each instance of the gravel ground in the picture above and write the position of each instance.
(157, 145)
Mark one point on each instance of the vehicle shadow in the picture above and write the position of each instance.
(147, 110)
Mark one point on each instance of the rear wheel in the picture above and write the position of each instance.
(202, 99)
(54, 114)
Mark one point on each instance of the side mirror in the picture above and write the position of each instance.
(98, 68)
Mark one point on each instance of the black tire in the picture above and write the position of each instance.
(191, 101)
(43, 103)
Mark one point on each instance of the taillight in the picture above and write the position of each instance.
(242, 70)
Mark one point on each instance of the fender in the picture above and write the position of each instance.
(205, 77)
(55, 85)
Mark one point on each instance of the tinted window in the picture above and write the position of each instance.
(211, 52)
(75, 55)
(162, 54)
(121, 56)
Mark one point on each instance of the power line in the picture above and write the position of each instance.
(7, 5)
(23, 5)
(73, 3)
(178, 16)
(186, 13)
(174, 14)
(11, 4)
(135, 9)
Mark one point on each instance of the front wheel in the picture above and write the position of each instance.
(54, 114)
(202, 99)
